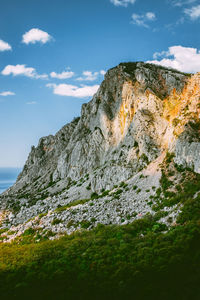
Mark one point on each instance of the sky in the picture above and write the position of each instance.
(54, 55)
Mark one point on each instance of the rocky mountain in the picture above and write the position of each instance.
(109, 166)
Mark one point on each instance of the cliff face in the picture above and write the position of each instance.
(128, 121)
(140, 112)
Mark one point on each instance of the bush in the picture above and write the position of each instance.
(29, 231)
(165, 182)
(144, 158)
(55, 221)
(94, 196)
(85, 224)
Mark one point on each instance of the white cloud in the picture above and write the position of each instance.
(18, 70)
(63, 75)
(41, 76)
(90, 76)
(7, 93)
(31, 102)
(36, 35)
(102, 72)
(160, 54)
(124, 3)
(150, 16)
(193, 13)
(23, 71)
(184, 59)
(4, 46)
(142, 20)
(73, 91)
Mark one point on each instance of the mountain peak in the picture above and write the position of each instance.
(140, 113)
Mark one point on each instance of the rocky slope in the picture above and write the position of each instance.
(107, 166)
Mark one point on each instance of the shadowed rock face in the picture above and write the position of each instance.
(128, 122)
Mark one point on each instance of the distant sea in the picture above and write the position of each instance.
(8, 177)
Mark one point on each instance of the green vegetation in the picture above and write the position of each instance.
(88, 187)
(144, 158)
(42, 215)
(138, 191)
(123, 184)
(55, 221)
(71, 204)
(171, 193)
(108, 262)
(3, 230)
(85, 224)
(94, 195)
(29, 231)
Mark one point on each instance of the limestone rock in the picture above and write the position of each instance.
(139, 112)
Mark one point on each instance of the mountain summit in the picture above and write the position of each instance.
(108, 165)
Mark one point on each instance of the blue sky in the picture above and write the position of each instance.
(53, 56)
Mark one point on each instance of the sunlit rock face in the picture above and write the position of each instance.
(139, 111)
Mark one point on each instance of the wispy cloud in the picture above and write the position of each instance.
(22, 70)
(73, 91)
(7, 93)
(184, 59)
(143, 19)
(90, 76)
(180, 3)
(36, 35)
(62, 75)
(31, 103)
(124, 3)
(4, 46)
(193, 12)
(156, 55)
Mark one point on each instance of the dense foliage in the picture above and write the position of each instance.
(135, 261)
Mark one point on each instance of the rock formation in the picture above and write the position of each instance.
(101, 167)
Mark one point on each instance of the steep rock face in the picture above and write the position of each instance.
(119, 130)
(187, 125)
(105, 167)
(43, 160)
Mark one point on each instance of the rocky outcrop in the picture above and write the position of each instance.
(119, 130)
(139, 112)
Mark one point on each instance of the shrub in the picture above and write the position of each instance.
(118, 192)
(70, 223)
(29, 231)
(55, 221)
(165, 182)
(94, 195)
(85, 224)
(144, 158)
(138, 191)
